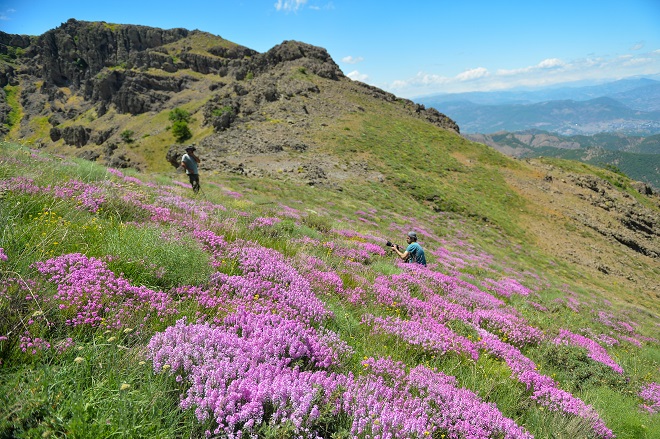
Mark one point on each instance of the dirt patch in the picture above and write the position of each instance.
(586, 221)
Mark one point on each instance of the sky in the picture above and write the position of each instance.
(410, 48)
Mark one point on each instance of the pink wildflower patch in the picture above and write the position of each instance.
(264, 222)
(650, 393)
(546, 391)
(596, 351)
(506, 287)
(92, 295)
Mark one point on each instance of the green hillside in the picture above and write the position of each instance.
(268, 305)
(116, 285)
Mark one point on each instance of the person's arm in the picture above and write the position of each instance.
(192, 154)
(403, 255)
(184, 165)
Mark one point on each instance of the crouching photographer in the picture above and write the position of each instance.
(413, 253)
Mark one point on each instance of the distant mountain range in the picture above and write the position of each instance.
(630, 106)
(637, 157)
(614, 125)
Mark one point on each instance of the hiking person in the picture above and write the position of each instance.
(413, 253)
(189, 162)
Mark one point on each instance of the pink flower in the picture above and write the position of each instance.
(651, 394)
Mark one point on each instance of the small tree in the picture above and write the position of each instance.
(181, 131)
(127, 136)
(179, 115)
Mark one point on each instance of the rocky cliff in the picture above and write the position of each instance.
(105, 89)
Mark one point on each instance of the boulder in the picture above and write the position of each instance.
(76, 135)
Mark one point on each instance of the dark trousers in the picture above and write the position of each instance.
(194, 181)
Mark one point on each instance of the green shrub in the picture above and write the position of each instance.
(227, 109)
(179, 115)
(127, 136)
(577, 370)
(181, 131)
(317, 222)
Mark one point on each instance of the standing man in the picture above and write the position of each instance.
(414, 251)
(189, 162)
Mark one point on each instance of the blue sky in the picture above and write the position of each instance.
(410, 48)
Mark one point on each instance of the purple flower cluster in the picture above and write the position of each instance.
(212, 243)
(596, 351)
(90, 294)
(545, 390)
(467, 257)
(20, 184)
(289, 212)
(262, 222)
(33, 345)
(626, 331)
(462, 301)
(460, 411)
(650, 393)
(306, 240)
(515, 328)
(254, 369)
(426, 333)
(506, 287)
(89, 196)
(266, 275)
(374, 249)
(325, 282)
(390, 403)
(3, 256)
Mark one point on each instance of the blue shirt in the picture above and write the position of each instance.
(416, 253)
(191, 164)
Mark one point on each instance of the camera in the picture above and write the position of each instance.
(389, 244)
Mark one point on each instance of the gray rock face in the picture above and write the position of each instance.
(635, 226)
(76, 135)
(174, 155)
(76, 51)
(88, 79)
(315, 59)
(134, 92)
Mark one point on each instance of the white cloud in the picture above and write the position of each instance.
(548, 72)
(328, 7)
(546, 64)
(289, 5)
(637, 46)
(472, 74)
(357, 76)
(550, 63)
(4, 16)
(637, 61)
(352, 60)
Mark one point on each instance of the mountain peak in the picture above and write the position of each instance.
(98, 87)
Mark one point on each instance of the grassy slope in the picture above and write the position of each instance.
(455, 193)
(50, 393)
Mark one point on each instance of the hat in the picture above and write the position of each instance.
(191, 148)
(413, 235)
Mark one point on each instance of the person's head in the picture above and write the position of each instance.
(412, 237)
(190, 149)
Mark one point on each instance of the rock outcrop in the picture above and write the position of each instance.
(88, 79)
